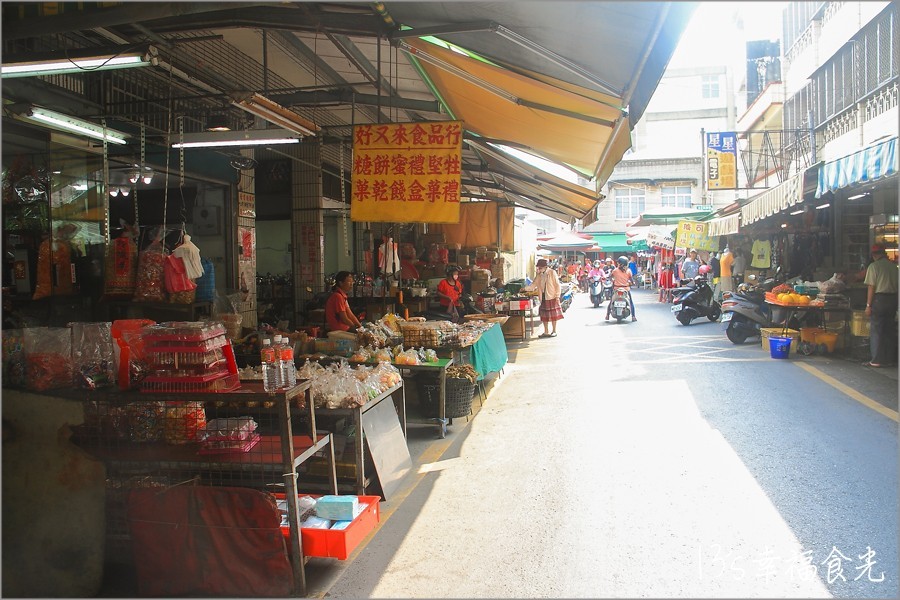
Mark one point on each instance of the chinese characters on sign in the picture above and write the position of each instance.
(721, 160)
(407, 172)
(310, 243)
(692, 234)
(715, 562)
(661, 236)
(246, 204)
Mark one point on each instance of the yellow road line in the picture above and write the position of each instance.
(861, 398)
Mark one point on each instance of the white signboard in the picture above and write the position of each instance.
(661, 236)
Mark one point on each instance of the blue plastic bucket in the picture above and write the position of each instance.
(780, 347)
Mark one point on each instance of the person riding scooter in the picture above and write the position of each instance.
(596, 278)
(622, 278)
(608, 268)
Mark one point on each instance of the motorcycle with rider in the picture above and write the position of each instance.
(622, 280)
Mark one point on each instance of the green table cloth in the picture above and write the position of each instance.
(488, 354)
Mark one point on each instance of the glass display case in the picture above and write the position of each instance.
(883, 229)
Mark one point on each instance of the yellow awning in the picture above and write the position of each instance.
(558, 120)
(531, 187)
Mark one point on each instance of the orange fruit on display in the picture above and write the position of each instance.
(783, 298)
(803, 300)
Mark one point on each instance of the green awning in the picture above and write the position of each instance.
(612, 242)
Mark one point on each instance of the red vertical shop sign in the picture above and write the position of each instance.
(310, 249)
(407, 172)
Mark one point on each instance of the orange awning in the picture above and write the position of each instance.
(560, 121)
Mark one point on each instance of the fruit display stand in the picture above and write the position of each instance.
(824, 310)
(152, 439)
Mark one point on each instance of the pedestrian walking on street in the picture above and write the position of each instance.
(690, 266)
(546, 283)
(881, 308)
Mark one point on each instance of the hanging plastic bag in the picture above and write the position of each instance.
(206, 284)
(190, 254)
(120, 268)
(54, 270)
(178, 284)
(151, 275)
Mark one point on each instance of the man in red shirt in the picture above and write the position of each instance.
(337, 309)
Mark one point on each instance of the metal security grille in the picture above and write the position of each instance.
(878, 52)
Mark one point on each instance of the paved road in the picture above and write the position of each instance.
(646, 459)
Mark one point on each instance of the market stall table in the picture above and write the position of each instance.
(793, 309)
(487, 354)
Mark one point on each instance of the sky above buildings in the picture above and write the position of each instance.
(715, 35)
(719, 30)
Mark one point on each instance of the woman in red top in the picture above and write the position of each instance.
(337, 309)
(449, 290)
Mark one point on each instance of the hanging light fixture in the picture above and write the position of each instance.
(80, 61)
(217, 122)
(134, 175)
(260, 106)
(114, 192)
(147, 175)
(252, 137)
(70, 124)
(124, 191)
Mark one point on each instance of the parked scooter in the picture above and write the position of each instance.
(695, 300)
(621, 304)
(596, 289)
(607, 288)
(567, 292)
(745, 312)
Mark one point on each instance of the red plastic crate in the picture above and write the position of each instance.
(339, 543)
(519, 304)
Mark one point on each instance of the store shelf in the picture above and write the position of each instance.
(271, 463)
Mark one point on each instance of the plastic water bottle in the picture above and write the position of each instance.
(269, 367)
(288, 370)
(278, 345)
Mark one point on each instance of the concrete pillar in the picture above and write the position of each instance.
(307, 222)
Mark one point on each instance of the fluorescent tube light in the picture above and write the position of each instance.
(821, 206)
(252, 137)
(77, 62)
(797, 212)
(857, 196)
(71, 124)
(260, 106)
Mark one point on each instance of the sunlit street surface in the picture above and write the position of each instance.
(649, 459)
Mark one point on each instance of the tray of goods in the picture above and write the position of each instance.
(428, 334)
(183, 331)
(487, 317)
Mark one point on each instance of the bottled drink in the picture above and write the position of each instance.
(288, 370)
(279, 347)
(269, 368)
